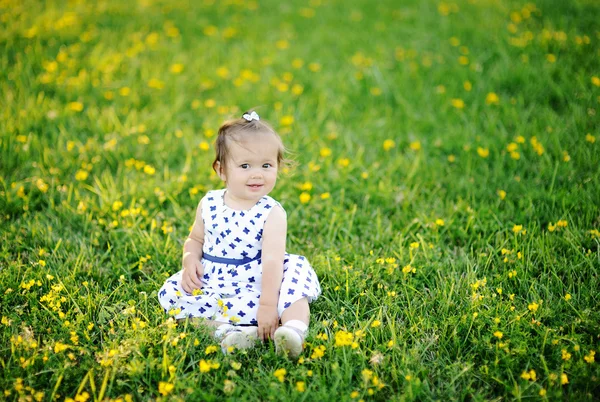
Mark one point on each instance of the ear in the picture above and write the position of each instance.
(220, 171)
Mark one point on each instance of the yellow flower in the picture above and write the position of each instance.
(590, 138)
(565, 355)
(325, 196)
(564, 379)
(439, 222)
(354, 394)
(375, 324)
(498, 334)
(314, 67)
(467, 86)
(287, 120)
(176, 68)
(210, 349)
(533, 307)
(542, 392)
(415, 145)
(343, 338)
(517, 228)
(280, 374)
(300, 386)
(155, 83)
(551, 227)
(75, 106)
(589, 358)
(562, 224)
(375, 91)
(207, 365)
(457, 103)
(344, 162)
(318, 352)
(149, 170)
(388, 144)
(304, 198)
(325, 152)
(596, 81)
(81, 175)
(568, 297)
(165, 388)
(483, 152)
(492, 98)
(204, 146)
(551, 58)
(501, 194)
(414, 245)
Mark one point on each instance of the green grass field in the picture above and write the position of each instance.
(446, 192)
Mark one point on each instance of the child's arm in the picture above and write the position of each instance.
(192, 253)
(273, 252)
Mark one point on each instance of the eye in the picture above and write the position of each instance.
(244, 165)
(267, 165)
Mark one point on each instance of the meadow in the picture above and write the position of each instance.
(446, 191)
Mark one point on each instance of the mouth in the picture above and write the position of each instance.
(255, 186)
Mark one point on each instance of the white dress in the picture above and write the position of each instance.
(233, 267)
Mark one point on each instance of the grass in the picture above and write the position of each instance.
(450, 151)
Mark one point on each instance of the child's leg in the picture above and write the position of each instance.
(290, 336)
(299, 310)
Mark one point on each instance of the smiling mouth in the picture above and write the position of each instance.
(255, 185)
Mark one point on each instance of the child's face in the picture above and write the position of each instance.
(251, 168)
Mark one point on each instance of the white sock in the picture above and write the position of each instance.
(222, 330)
(299, 326)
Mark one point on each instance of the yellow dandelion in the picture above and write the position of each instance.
(533, 307)
(388, 144)
(415, 145)
(457, 103)
(492, 99)
(75, 106)
(304, 198)
(498, 334)
(287, 120)
(483, 152)
(590, 138)
(325, 152)
(176, 68)
(81, 175)
(280, 374)
(344, 162)
(564, 379)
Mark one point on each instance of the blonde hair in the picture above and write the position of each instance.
(239, 129)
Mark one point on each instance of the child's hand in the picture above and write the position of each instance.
(190, 279)
(268, 321)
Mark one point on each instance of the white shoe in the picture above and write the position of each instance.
(288, 341)
(239, 338)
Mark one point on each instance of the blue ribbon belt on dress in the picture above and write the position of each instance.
(231, 261)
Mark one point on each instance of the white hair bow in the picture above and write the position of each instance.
(251, 116)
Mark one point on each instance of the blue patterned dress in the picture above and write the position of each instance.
(233, 267)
